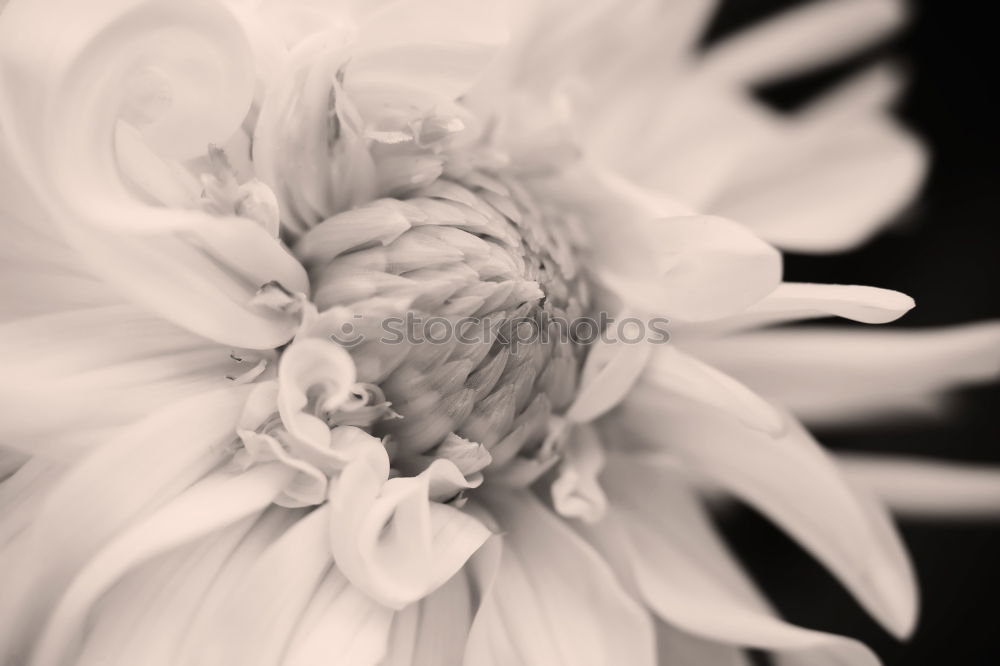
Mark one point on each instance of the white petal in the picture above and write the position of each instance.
(433, 632)
(610, 371)
(672, 373)
(803, 38)
(829, 190)
(188, 60)
(73, 376)
(832, 376)
(924, 488)
(143, 467)
(796, 301)
(146, 614)
(214, 503)
(576, 491)
(389, 538)
(791, 480)
(680, 567)
(538, 612)
(340, 620)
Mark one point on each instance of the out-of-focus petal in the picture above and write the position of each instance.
(679, 566)
(832, 376)
(792, 480)
(340, 620)
(73, 377)
(214, 503)
(144, 466)
(826, 190)
(433, 631)
(797, 301)
(671, 373)
(924, 488)
(538, 612)
(679, 648)
(803, 38)
(179, 72)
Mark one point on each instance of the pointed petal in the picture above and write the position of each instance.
(538, 613)
(610, 371)
(833, 376)
(803, 38)
(797, 301)
(683, 571)
(793, 481)
(925, 488)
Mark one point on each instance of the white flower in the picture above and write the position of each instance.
(211, 452)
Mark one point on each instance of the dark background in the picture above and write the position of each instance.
(945, 252)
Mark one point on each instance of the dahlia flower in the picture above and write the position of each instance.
(215, 453)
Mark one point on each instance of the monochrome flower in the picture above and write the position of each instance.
(201, 198)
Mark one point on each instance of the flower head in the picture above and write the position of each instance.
(297, 291)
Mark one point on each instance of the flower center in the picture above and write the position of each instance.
(457, 306)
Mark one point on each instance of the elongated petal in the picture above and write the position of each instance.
(793, 481)
(214, 503)
(663, 538)
(797, 301)
(433, 632)
(145, 466)
(829, 190)
(144, 617)
(838, 375)
(611, 369)
(73, 377)
(671, 372)
(924, 488)
(537, 612)
(803, 38)
(340, 620)
(678, 648)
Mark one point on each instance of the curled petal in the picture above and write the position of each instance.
(576, 491)
(389, 538)
(177, 71)
(315, 377)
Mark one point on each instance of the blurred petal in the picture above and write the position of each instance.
(216, 502)
(679, 648)
(538, 612)
(803, 38)
(927, 488)
(829, 189)
(685, 574)
(797, 301)
(433, 631)
(791, 480)
(340, 620)
(179, 72)
(673, 373)
(840, 375)
(143, 467)
(74, 376)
